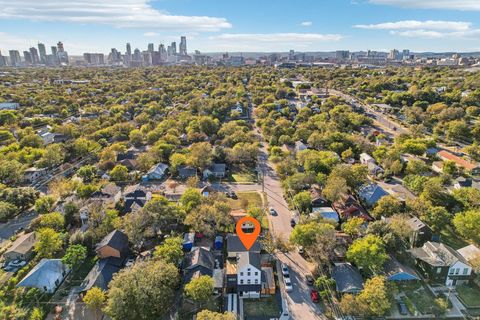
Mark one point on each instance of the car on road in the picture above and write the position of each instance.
(402, 308)
(285, 271)
(231, 194)
(272, 212)
(314, 296)
(309, 279)
(288, 284)
(301, 250)
(293, 223)
(17, 263)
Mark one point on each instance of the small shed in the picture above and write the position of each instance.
(218, 244)
(188, 240)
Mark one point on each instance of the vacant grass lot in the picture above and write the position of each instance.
(470, 295)
(243, 176)
(249, 198)
(265, 308)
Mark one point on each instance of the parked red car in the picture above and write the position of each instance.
(314, 296)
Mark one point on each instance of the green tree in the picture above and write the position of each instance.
(54, 155)
(94, 300)
(335, 188)
(48, 243)
(170, 250)
(190, 199)
(74, 256)
(469, 197)
(87, 173)
(305, 235)
(387, 206)
(200, 155)
(11, 171)
(303, 202)
(212, 315)
(7, 211)
(144, 292)
(468, 224)
(119, 173)
(200, 289)
(449, 167)
(375, 297)
(37, 314)
(353, 226)
(368, 253)
(44, 204)
(54, 220)
(177, 160)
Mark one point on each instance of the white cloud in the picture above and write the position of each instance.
(464, 5)
(414, 24)
(151, 34)
(473, 34)
(278, 37)
(306, 23)
(119, 13)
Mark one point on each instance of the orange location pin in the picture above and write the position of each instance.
(248, 239)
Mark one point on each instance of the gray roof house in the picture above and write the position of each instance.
(100, 275)
(370, 193)
(199, 262)
(347, 278)
(186, 172)
(21, 248)
(216, 170)
(235, 246)
(157, 172)
(47, 275)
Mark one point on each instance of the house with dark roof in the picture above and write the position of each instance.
(370, 193)
(442, 264)
(135, 198)
(396, 271)
(109, 193)
(420, 233)
(199, 262)
(47, 275)
(186, 172)
(114, 244)
(216, 170)
(100, 275)
(235, 246)
(347, 278)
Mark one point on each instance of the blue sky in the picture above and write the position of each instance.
(247, 25)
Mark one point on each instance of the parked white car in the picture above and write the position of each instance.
(288, 284)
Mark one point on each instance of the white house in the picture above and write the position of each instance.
(249, 275)
(47, 275)
(33, 174)
(365, 159)
(216, 170)
(9, 106)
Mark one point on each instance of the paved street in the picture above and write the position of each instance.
(300, 304)
(8, 229)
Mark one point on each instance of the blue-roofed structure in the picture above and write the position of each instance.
(188, 240)
(396, 271)
(370, 193)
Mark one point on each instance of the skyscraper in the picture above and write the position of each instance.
(163, 52)
(174, 48)
(3, 61)
(150, 47)
(60, 46)
(129, 49)
(183, 46)
(62, 54)
(43, 52)
(34, 55)
(54, 50)
(15, 60)
(28, 57)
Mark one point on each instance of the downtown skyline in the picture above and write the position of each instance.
(211, 26)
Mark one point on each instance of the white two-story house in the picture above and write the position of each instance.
(249, 275)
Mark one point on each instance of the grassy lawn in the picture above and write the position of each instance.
(243, 176)
(422, 300)
(265, 308)
(251, 198)
(449, 237)
(470, 295)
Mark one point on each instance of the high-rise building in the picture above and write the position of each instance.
(27, 57)
(15, 60)
(43, 52)
(54, 50)
(174, 48)
(94, 59)
(163, 52)
(34, 55)
(342, 54)
(183, 46)
(62, 54)
(291, 55)
(60, 46)
(394, 55)
(129, 49)
(150, 47)
(115, 56)
(3, 60)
